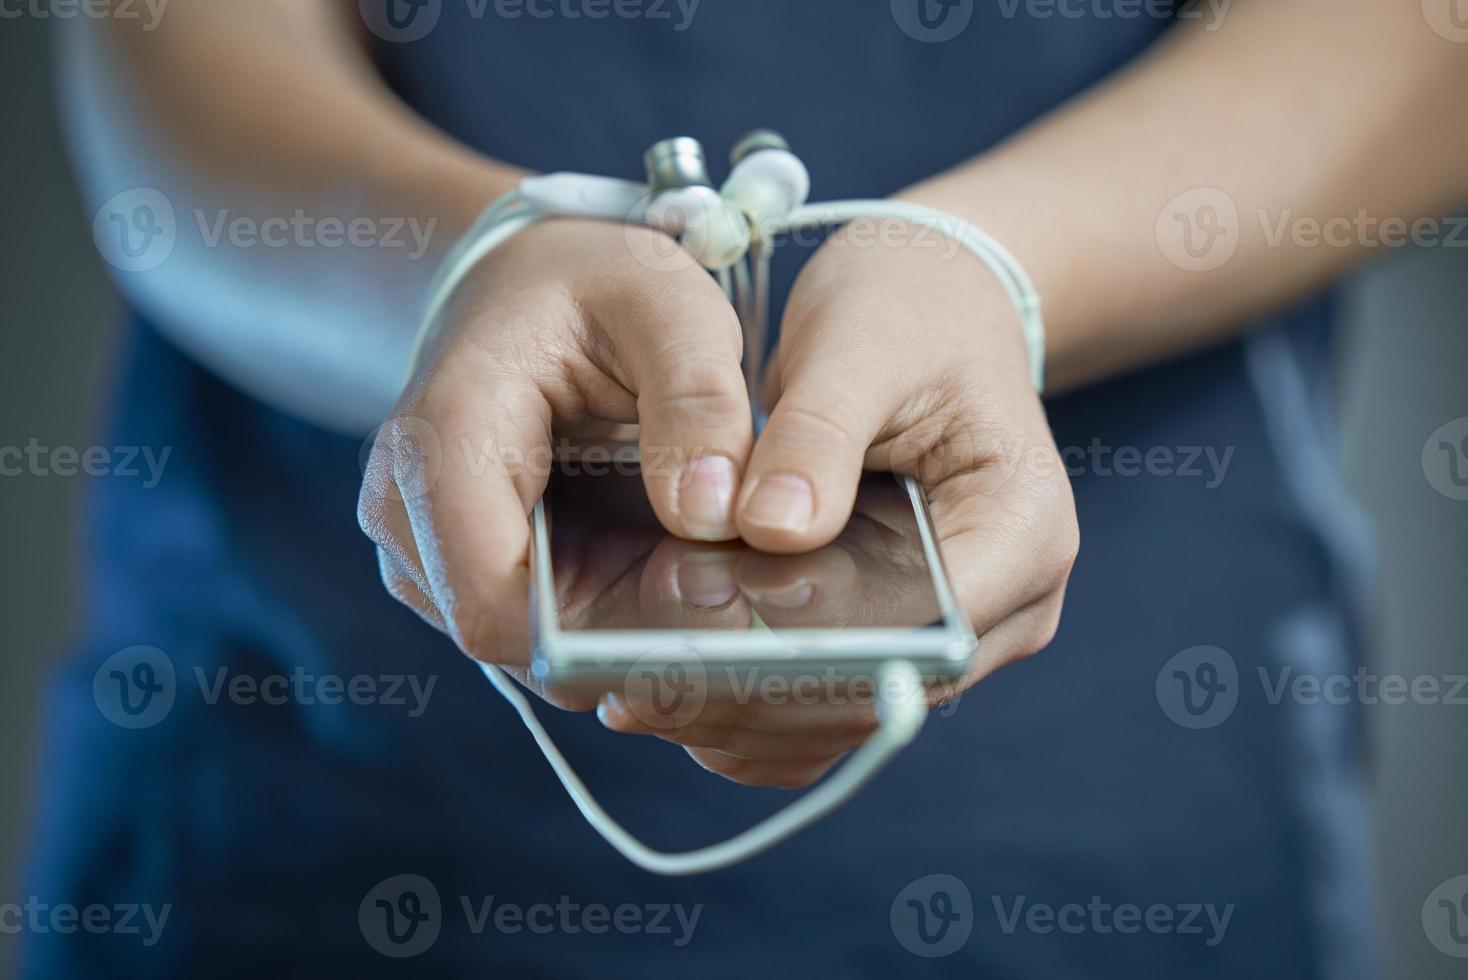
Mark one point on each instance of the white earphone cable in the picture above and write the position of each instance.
(1005, 266)
(902, 708)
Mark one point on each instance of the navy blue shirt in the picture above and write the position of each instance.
(1076, 783)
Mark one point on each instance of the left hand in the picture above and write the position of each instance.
(906, 357)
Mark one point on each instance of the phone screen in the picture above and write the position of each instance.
(616, 569)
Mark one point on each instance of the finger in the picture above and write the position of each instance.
(1023, 633)
(467, 509)
(761, 772)
(874, 574)
(406, 589)
(821, 708)
(1008, 534)
(744, 743)
(380, 511)
(679, 350)
(800, 484)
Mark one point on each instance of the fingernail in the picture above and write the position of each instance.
(706, 498)
(781, 501)
(608, 709)
(796, 596)
(705, 580)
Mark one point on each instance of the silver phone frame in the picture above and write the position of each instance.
(572, 657)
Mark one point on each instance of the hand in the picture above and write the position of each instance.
(904, 357)
(564, 327)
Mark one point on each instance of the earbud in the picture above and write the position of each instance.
(768, 181)
(674, 163)
(685, 204)
(710, 230)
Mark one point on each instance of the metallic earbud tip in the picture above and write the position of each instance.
(754, 141)
(676, 162)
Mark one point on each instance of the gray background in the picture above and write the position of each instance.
(1405, 373)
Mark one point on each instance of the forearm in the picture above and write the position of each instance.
(311, 206)
(1293, 109)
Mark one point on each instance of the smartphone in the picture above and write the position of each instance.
(612, 592)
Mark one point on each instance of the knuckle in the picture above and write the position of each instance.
(821, 428)
(394, 580)
(472, 628)
(717, 738)
(1069, 550)
(696, 383)
(372, 514)
(1042, 633)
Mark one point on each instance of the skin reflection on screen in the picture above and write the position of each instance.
(617, 569)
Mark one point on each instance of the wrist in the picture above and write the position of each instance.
(903, 277)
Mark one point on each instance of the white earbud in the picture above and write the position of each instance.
(768, 181)
(683, 203)
(715, 234)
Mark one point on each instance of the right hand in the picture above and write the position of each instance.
(565, 326)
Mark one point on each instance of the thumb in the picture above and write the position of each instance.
(679, 346)
(801, 480)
